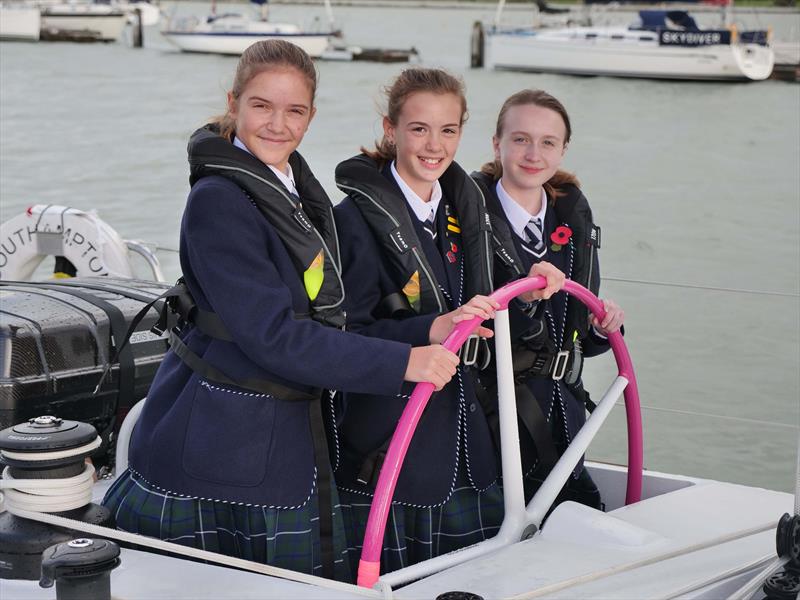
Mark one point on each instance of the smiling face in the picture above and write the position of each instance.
(530, 148)
(426, 138)
(272, 114)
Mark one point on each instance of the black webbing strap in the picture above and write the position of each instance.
(488, 403)
(206, 321)
(324, 485)
(116, 289)
(211, 373)
(118, 349)
(529, 413)
(372, 464)
(171, 292)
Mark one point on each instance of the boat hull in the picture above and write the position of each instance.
(19, 24)
(235, 43)
(540, 53)
(106, 27)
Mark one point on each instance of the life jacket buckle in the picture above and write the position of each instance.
(560, 365)
(469, 351)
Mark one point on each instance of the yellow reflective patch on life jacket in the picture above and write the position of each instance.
(314, 275)
(453, 228)
(412, 292)
(452, 220)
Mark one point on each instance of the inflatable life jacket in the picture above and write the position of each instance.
(81, 238)
(306, 228)
(385, 212)
(571, 207)
(308, 232)
(534, 352)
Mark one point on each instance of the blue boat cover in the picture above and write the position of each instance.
(655, 20)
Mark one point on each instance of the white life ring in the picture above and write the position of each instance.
(50, 230)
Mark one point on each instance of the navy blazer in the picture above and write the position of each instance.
(452, 432)
(219, 442)
(563, 410)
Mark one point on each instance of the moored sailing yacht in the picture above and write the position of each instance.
(662, 45)
(231, 33)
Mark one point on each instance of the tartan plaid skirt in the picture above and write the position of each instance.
(277, 537)
(414, 534)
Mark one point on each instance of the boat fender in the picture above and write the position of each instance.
(734, 33)
(82, 238)
(81, 569)
(477, 45)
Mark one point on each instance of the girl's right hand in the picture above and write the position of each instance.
(478, 306)
(434, 364)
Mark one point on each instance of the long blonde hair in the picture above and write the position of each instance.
(494, 169)
(411, 81)
(263, 56)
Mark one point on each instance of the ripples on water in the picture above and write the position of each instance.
(691, 182)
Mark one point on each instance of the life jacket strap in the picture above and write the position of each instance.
(529, 363)
(530, 416)
(261, 386)
(475, 353)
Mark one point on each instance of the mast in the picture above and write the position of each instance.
(329, 12)
(499, 12)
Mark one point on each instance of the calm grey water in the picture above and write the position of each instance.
(692, 183)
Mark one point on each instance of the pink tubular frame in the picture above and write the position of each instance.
(369, 566)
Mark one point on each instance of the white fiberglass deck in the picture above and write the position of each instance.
(579, 553)
(582, 553)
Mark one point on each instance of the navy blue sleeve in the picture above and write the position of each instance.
(366, 283)
(228, 246)
(594, 344)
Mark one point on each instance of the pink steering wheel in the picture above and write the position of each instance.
(369, 565)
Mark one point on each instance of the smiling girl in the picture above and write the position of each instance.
(417, 260)
(229, 454)
(539, 213)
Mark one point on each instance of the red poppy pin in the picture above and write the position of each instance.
(560, 237)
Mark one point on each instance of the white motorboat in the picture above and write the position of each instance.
(660, 536)
(664, 45)
(232, 33)
(83, 20)
(19, 22)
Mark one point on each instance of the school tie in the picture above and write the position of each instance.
(535, 243)
(430, 226)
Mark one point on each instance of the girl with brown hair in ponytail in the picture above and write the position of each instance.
(416, 254)
(538, 213)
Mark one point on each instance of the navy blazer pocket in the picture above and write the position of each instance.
(229, 437)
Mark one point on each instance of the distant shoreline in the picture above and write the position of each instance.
(742, 6)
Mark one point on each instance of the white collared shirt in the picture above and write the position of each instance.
(518, 216)
(287, 179)
(423, 210)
